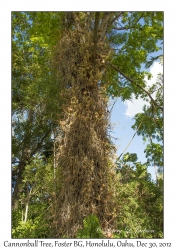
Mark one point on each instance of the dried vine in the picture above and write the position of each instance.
(83, 154)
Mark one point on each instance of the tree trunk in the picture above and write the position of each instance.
(83, 156)
(15, 195)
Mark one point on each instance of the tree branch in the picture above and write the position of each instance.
(130, 140)
(137, 84)
(129, 27)
(106, 22)
(40, 143)
(95, 37)
(113, 105)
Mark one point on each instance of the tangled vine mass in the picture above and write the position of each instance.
(83, 153)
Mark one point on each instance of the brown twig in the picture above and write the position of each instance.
(130, 140)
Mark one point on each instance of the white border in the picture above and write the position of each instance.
(5, 95)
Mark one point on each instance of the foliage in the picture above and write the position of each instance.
(140, 202)
(91, 228)
(32, 219)
(154, 154)
(30, 229)
(149, 124)
(134, 38)
(36, 100)
(129, 157)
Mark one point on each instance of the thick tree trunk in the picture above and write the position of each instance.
(27, 154)
(83, 158)
(16, 192)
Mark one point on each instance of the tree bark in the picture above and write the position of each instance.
(21, 168)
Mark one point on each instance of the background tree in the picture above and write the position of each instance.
(151, 126)
(33, 216)
(140, 201)
(35, 90)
